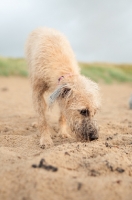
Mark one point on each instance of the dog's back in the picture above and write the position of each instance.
(49, 55)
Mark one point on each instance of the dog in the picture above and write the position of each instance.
(54, 69)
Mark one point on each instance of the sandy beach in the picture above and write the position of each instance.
(94, 170)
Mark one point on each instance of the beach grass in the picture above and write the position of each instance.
(13, 67)
(107, 73)
(99, 72)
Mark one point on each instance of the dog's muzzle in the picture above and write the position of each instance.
(93, 135)
(87, 130)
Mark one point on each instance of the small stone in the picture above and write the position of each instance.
(66, 153)
(94, 173)
(118, 181)
(6, 129)
(34, 125)
(107, 145)
(34, 166)
(120, 170)
(109, 138)
(4, 89)
(79, 186)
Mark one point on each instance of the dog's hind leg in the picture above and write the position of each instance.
(38, 89)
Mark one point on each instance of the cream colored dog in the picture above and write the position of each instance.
(53, 68)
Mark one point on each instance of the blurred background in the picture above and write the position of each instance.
(100, 33)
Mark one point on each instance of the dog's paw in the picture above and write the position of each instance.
(46, 142)
(64, 135)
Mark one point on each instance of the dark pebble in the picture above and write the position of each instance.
(44, 165)
(120, 170)
(79, 186)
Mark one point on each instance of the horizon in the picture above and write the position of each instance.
(79, 61)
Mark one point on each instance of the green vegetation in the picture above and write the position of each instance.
(107, 73)
(104, 72)
(13, 67)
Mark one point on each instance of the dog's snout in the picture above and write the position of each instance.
(87, 130)
(93, 135)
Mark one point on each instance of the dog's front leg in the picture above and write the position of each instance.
(40, 107)
(64, 130)
(45, 140)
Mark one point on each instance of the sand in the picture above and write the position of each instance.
(94, 170)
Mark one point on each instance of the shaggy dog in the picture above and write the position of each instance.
(53, 68)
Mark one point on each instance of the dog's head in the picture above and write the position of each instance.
(79, 101)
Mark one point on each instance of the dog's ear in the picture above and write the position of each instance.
(65, 92)
(62, 91)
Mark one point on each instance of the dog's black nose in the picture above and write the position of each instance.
(93, 135)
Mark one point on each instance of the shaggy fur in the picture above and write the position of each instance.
(53, 68)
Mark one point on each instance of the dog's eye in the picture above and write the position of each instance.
(84, 112)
